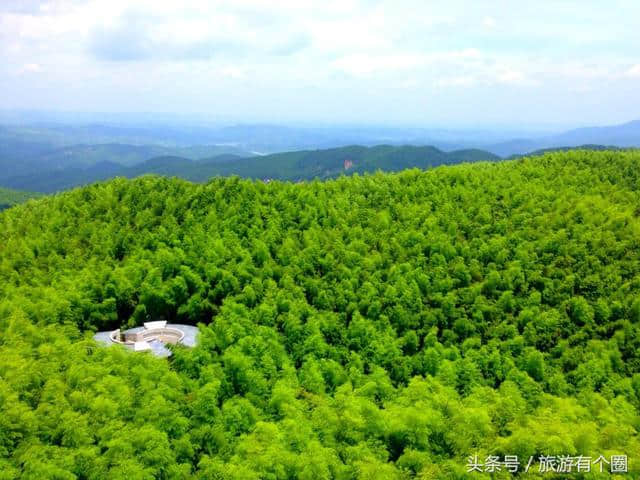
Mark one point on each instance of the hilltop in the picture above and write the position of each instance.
(383, 326)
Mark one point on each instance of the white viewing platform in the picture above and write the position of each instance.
(153, 337)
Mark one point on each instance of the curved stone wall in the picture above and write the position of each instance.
(164, 334)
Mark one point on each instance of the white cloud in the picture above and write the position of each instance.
(485, 77)
(634, 71)
(489, 22)
(30, 68)
(235, 73)
(365, 64)
(105, 50)
(409, 83)
(457, 82)
(513, 77)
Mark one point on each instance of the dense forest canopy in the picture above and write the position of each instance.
(379, 326)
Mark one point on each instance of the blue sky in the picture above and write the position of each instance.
(426, 63)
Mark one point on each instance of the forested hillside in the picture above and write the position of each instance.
(332, 162)
(9, 198)
(35, 158)
(383, 326)
(295, 166)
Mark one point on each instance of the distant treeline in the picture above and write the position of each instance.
(293, 166)
(8, 197)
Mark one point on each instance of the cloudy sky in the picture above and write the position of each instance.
(401, 62)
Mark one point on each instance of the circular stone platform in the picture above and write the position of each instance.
(152, 337)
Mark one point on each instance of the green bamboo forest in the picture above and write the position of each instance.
(374, 326)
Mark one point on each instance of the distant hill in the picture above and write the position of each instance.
(264, 138)
(308, 164)
(33, 148)
(8, 197)
(128, 155)
(19, 157)
(300, 165)
(625, 135)
(544, 151)
(87, 155)
(55, 180)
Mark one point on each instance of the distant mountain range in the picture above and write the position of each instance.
(49, 157)
(299, 165)
(625, 135)
(262, 138)
(20, 154)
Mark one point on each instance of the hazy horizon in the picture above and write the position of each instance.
(552, 65)
(206, 119)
